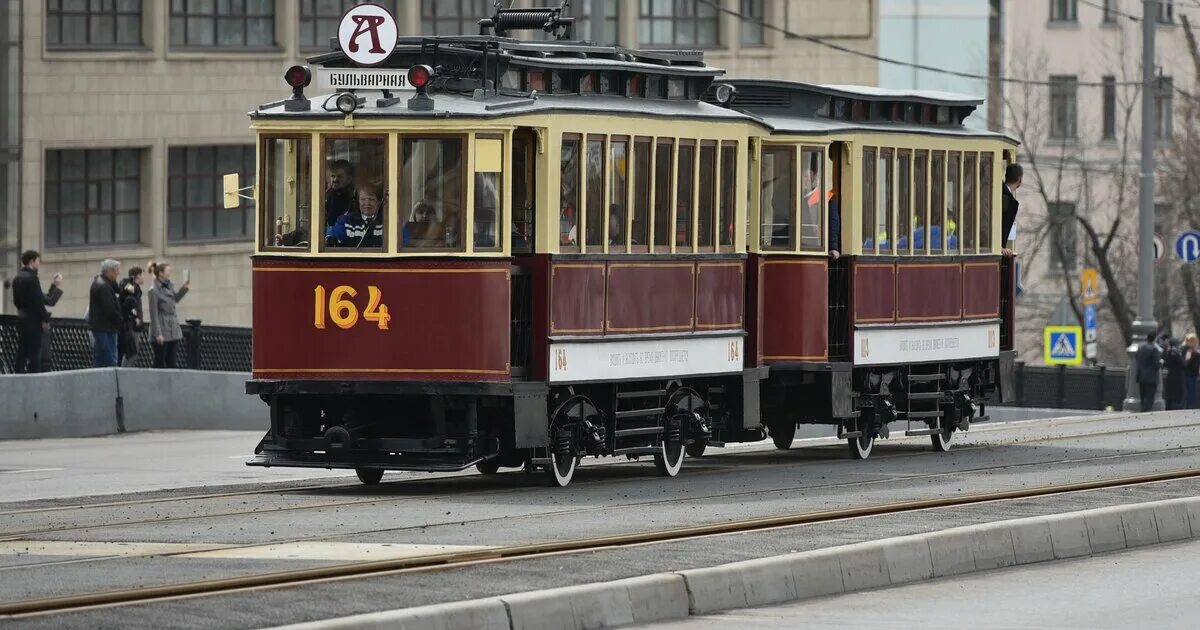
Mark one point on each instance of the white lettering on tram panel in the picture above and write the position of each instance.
(360, 79)
(952, 342)
(647, 358)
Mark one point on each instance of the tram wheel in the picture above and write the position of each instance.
(696, 448)
(783, 434)
(669, 458)
(369, 476)
(860, 447)
(941, 441)
(563, 452)
(488, 466)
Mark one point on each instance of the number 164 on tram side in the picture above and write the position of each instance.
(479, 251)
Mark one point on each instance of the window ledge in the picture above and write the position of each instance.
(1067, 25)
(95, 253)
(98, 53)
(188, 53)
(243, 245)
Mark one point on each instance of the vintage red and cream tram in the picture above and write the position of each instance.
(487, 252)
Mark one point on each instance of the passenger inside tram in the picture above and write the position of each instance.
(422, 228)
(340, 197)
(616, 225)
(363, 228)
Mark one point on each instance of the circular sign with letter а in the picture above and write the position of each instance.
(367, 34)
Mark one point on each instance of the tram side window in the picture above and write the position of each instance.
(522, 194)
(811, 210)
(728, 211)
(904, 209)
(778, 193)
(937, 189)
(618, 205)
(594, 211)
(870, 200)
(356, 200)
(684, 201)
(985, 203)
(639, 235)
(707, 207)
(921, 192)
(432, 192)
(664, 154)
(953, 203)
(568, 222)
(286, 192)
(969, 229)
(883, 231)
(489, 162)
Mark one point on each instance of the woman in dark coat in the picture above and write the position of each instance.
(164, 320)
(1173, 392)
(131, 311)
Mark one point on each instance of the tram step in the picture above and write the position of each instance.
(637, 450)
(850, 435)
(912, 415)
(924, 395)
(638, 413)
(924, 378)
(650, 393)
(923, 432)
(717, 444)
(620, 433)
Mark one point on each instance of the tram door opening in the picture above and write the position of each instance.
(524, 204)
(839, 269)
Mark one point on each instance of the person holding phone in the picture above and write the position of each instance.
(33, 319)
(164, 319)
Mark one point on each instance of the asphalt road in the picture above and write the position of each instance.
(56, 547)
(1156, 587)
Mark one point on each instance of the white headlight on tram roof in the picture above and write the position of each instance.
(725, 93)
(346, 103)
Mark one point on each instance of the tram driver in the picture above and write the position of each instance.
(340, 196)
(362, 228)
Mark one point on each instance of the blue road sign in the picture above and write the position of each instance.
(1187, 246)
(1089, 317)
(1063, 345)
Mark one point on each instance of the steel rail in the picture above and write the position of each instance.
(378, 568)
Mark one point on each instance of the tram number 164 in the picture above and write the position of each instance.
(343, 312)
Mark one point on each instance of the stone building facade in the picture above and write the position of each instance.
(124, 114)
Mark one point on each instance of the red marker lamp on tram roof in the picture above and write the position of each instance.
(420, 76)
(298, 77)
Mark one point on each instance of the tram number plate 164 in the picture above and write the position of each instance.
(343, 312)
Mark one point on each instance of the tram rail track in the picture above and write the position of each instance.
(459, 559)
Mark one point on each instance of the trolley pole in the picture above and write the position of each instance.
(1145, 324)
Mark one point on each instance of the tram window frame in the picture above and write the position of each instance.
(524, 189)
(727, 203)
(886, 182)
(498, 216)
(921, 203)
(986, 195)
(689, 224)
(265, 240)
(593, 233)
(642, 195)
(807, 154)
(663, 194)
(564, 244)
(405, 202)
(611, 173)
(968, 212)
(384, 212)
(706, 197)
(766, 231)
(870, 200)
(904, 202)
(937, 202)
(953, 203)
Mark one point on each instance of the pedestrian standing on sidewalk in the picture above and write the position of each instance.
(132, 313)
(164, 320)
(33, 320)
(1173, 388)
(1191, 370)
(1149, 366)
(104, 314)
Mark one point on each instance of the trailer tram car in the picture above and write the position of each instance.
(518, 254)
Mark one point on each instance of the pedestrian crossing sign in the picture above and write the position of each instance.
(1063, 345)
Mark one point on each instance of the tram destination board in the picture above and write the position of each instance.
(363, 79)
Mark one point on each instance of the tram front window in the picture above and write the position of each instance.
(286, 192)
(778, 193)
(355, 203)
(432, 193)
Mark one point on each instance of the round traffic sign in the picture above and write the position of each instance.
(1187, 246)
(1160, 248)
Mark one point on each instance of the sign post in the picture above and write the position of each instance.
(1062, 345)
(1089, 292)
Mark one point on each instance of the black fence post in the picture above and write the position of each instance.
(193, 344)
(1020, 378)
(1061, 389)
(1100, 387)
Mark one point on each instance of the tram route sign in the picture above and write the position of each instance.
(367, 34)
(338, 79)
(1063, 345)
(1187, 246)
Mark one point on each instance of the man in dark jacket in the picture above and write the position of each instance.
(104, 314)
(1013, 175)
(1173, 390)
(32, 317)
(1149, 367)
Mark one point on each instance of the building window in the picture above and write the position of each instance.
(752, 23)
(319, 20)
(595, 20)
(1109, 109)
(1063, 10)
(1109, 11)
(453, 17)
(1063, 106)
(79, 23)
(678, 22)
(93, 197)
(1166, 11)
(1164, 108)
(211, 24)
(1061, 217)
(195, 211)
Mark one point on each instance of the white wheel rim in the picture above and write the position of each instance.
(944, 439)
(562, 479)
(671, 469)
(864, 452)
